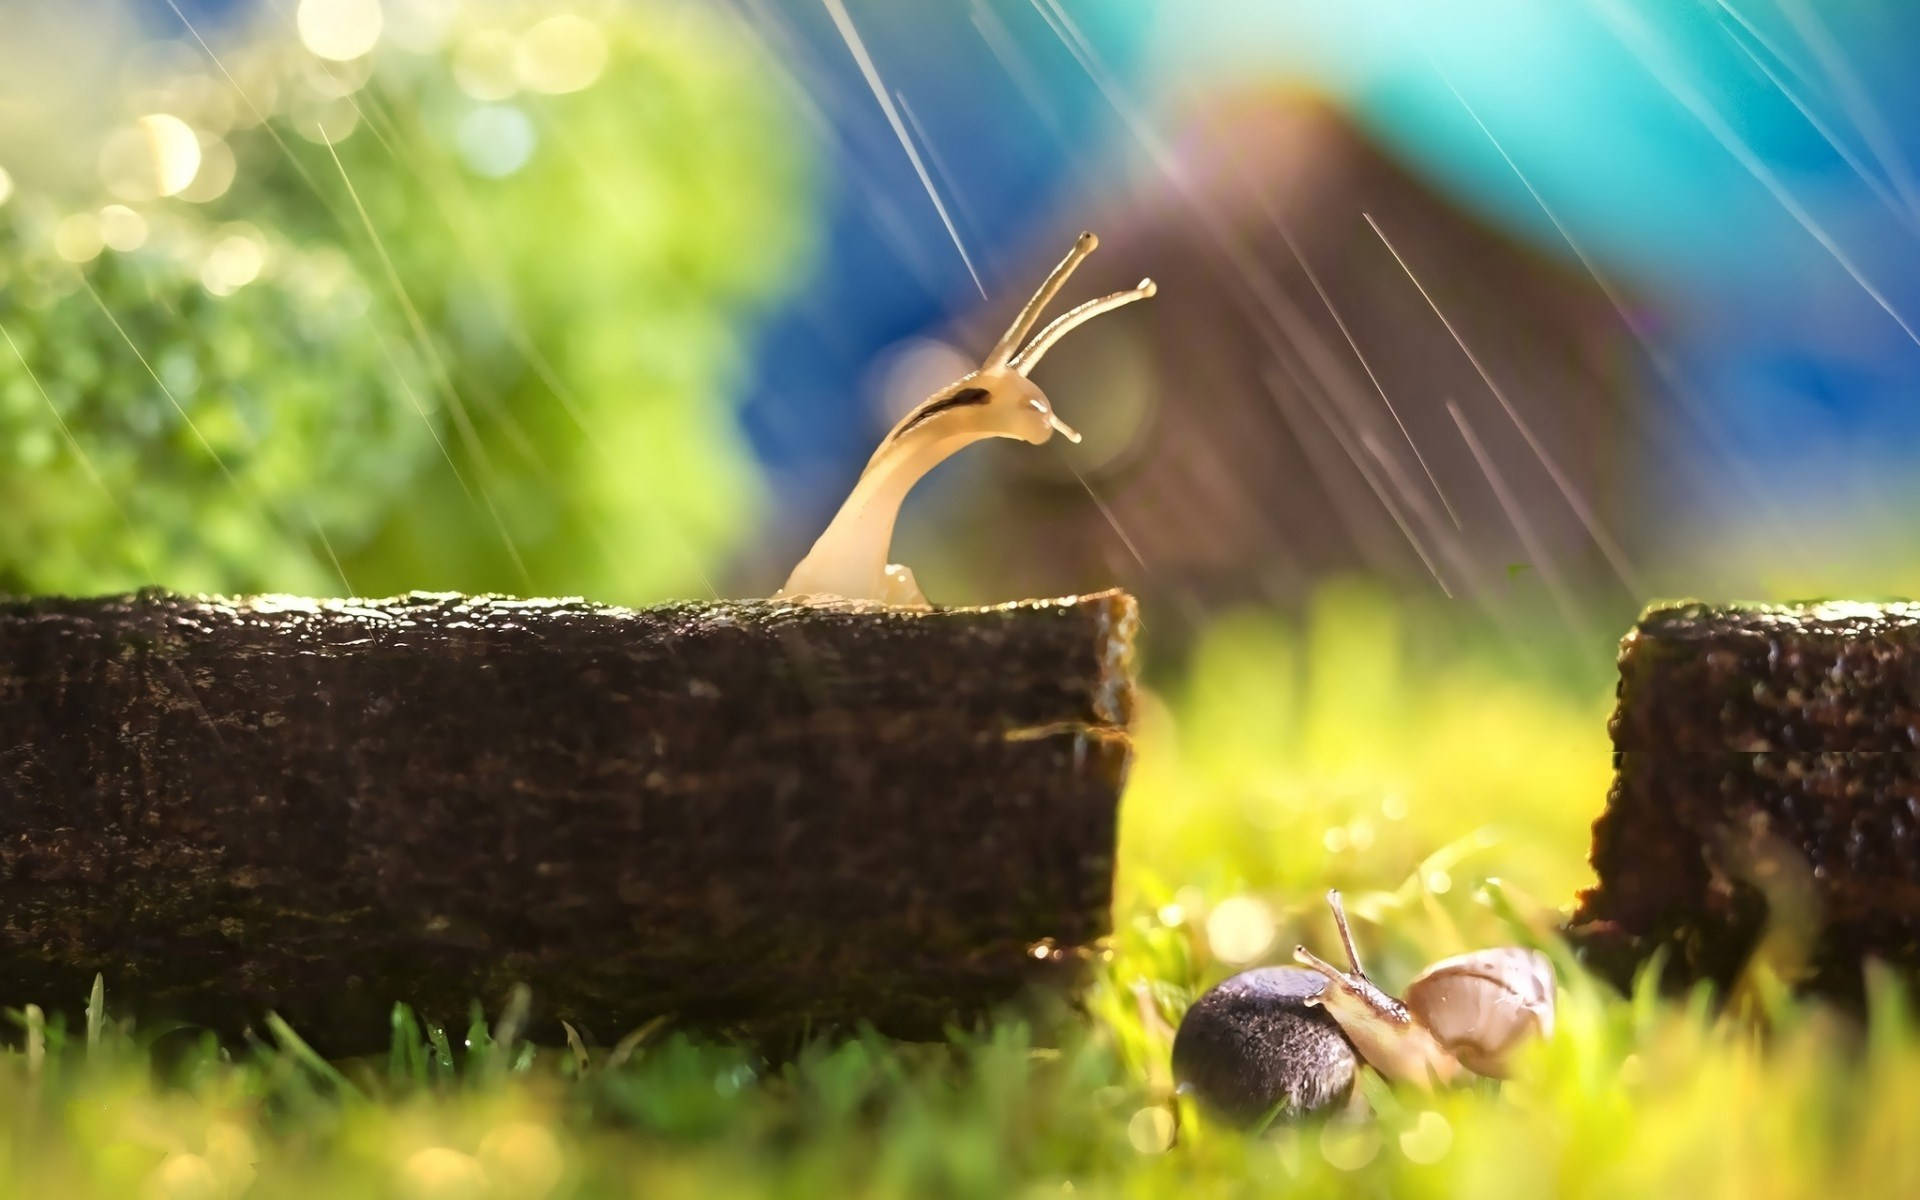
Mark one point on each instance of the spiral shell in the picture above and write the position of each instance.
(1483, 1006)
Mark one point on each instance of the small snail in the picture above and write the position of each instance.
(1288, 1040)
(1258, 1045)
(1472, 1010)
(849, 560)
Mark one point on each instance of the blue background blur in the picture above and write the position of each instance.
(1671, 137)
(1608, 108)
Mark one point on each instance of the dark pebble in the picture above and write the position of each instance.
(1252, 1045)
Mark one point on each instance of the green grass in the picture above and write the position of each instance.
(1447, 790)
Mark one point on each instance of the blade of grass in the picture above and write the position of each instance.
(406, 1048)
(36, 1023)
(96, 1011)
(581, 1060)
(295, 1047)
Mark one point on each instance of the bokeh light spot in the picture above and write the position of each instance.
(326, 121)
(524, 1157)
(1240, 929)
(1349, 1145)
(331, 80)
(419, 25)
(1360, 834)
(180, 1176)
(158, 155)
(1429, 1139)
(439, 1172)
(77, 238)
(231, 1152)
(235, 261)
(483, 65)
(495, 140)
(6, 185)
(339, 29)
(1151, 1130)
(217, 169)
(122, 228)
(564, 53)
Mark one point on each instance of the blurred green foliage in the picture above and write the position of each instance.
(1444, 783)
(165, 435)
(489, 345)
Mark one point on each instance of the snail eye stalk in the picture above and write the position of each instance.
(1346, 934)
(1075, 317)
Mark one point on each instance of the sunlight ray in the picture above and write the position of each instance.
(1854, 100)
(1881, 190)
(485, 261)
(252, 496)
(457, 408)
(1313, 278)
(1663, 366)
(1382, 493)
(1615, 556)
(79, 452)
(1640, 41)
(858, 48)
(1291, 331)
(1523, 528)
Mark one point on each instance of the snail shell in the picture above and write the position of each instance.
(1483, 1006)
(1253, 1045)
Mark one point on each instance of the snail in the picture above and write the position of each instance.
(849, 560)
(1288, 1040)
(1471, 1011)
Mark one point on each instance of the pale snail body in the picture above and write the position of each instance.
(1470, 1012)
(849, 560)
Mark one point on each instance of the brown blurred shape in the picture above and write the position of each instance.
(1224, 418)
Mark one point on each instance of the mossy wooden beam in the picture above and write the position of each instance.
(1767, 783)
(751, 816)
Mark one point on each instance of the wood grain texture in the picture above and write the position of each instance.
(752, 816)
